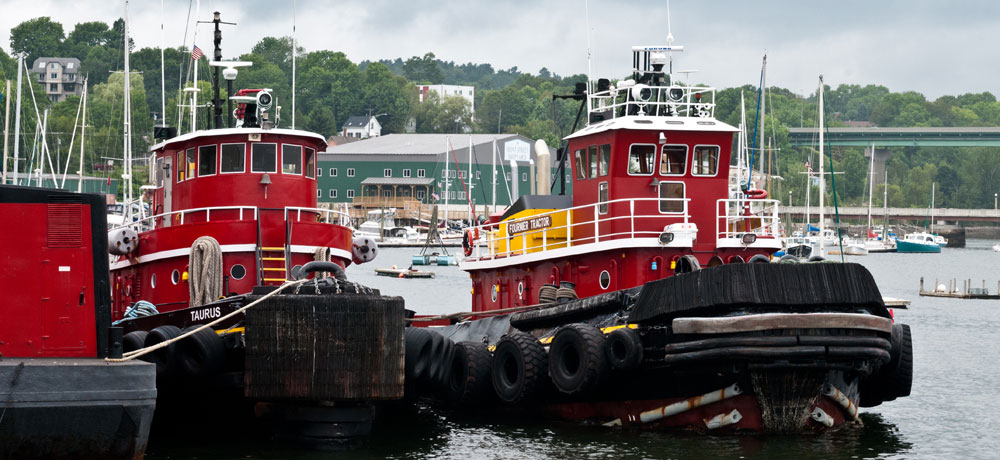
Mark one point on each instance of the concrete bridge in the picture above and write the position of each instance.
(895, 214)
(898, 137)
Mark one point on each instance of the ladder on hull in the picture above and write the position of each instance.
(273, 265)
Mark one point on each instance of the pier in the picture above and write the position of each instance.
(951, 290)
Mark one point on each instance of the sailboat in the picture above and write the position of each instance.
(920, 242)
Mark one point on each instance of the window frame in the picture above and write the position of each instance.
(350, 172)
(275, 170)
(592, 167)
(604, 158)
(215, 148)
(628, 166)
(307, 158)
(406, 172)
(177, 166)
(387, 172)
(332, 193)
(190, 167)
(660, 199)
(222, 147)
(663, 148)
(332, 172)
(349, 193)
(301, 160)
(421, 173)
(602, 208)
(582, 166)
(718, 153)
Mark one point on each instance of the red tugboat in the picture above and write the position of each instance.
(648, 297)
(234, 215)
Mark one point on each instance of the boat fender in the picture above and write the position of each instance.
(133, 341)
(759, 259)
(577, 362)
(164, 358)
(469, 239)
(202, 354)
(519, 365)
(623, 348)
(416, 357)
(438, 370)
(319, 266)
(469, 383)
(816, 259)
(122, 241)
(363, 249)
(686, 264)
(756, 194)
(788, 259)
(895, 378)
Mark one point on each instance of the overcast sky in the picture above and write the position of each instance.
(934, 47)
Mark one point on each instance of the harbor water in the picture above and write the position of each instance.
(953, 412)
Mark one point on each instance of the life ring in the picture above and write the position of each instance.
(576, 359)
(519, 364)
(756, 194)
(468, 238)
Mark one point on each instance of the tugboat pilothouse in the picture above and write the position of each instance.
(648, 297)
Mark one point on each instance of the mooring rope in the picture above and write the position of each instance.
(205, 265)
(143, 351)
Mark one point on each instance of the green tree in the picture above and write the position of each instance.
(38, 37)
(423, 69)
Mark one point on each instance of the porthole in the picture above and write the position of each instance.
(605, 279)
(128, 290)
(152, 281)
(520, 288)
(237, 272)
(175, 276)
(493, 291)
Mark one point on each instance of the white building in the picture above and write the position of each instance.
(467, 92)
(361, 128)
(58, 76)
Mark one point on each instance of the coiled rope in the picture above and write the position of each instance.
(142, 351)
(205, 266)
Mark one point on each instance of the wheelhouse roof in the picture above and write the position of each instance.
(232, 131)
(657, 123)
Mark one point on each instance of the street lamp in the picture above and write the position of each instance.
(994, 201)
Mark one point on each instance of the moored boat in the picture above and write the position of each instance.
(648, 298)
(918, 242)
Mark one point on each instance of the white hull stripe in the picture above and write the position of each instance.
(185, 252)
(564, 252)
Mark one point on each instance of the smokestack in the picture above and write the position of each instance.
(543, 167)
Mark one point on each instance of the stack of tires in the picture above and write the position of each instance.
(579, 360)
(197, 357)
(893, 379)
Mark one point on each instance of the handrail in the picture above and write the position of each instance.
(342, 217)
(759, 217)
(148, 223)
(490, 231)
(663, 101)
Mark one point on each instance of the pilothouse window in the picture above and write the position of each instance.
(310, 162)
(206, 160)
(604, 162)
(671, 197)
(581, 164)
(263, 158)
(640, 159)
(673, 160)
(593, 160)
(191, 164)
(233, 158)
(706, 160)
(291, 159)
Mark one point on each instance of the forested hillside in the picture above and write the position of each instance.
(330, 88)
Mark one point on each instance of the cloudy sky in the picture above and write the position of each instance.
(934, 47)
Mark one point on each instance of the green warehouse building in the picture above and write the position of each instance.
(396, 169)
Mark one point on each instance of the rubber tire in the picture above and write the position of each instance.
(623, 349)
(895, 378)
(133, 341)
(817, 259)
(200, 355)
(164, 358)
(759, 259)
(418, 343)
(577, 362)
(470, 375)
(686, 264)
(519, 365)
(788, 259)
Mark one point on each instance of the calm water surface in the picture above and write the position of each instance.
(953, 412)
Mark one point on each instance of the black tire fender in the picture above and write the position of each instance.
(623, 349)
(759, 259)
(164, 358)
(202, 354)
(418, 342)
(519, 365)
(470, 374)
(134, 340)
(577, 362)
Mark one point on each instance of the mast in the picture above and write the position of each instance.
(885, 210)
(293, 64)
(163, 78)
(72, 139)
(871, 186)
(194, 86)
(469, 180)
(17, 116)
(447, 180)
(763, 111)
(933, 186)
(822, 179)
(6, 131)
(127, 138)
(494, 166)
(83, 131)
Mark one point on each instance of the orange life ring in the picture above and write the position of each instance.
(756, 194)
(467, 241)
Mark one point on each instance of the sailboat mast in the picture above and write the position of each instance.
(822, 179)
(871, 185)
(469, 181)
(194, 86)
(293, 64)
(83, 131)
(17, 116)
(763, 111)
(6, 129)
(127, 138)
(447, 180)
(163, 78)
(493, 161)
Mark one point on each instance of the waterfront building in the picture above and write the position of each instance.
(408, 171)
(58, 76)
(466, 92)
(361, 128)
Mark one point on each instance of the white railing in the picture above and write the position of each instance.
(324, 215)
(737, 217)
(149, 223)
(644, 100)
(616, 225)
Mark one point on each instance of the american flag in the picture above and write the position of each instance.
(196, 53)
(807, 166)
